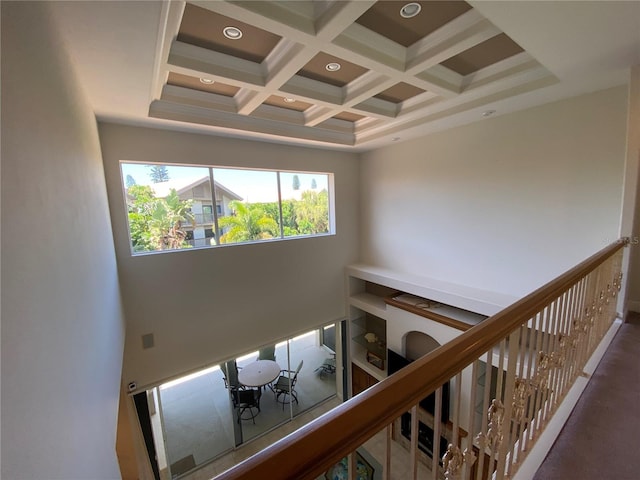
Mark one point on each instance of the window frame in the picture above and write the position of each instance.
(331, 224)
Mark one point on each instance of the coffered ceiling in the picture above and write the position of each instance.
(348, 74)
(335, 71)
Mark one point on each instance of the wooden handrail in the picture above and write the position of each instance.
(314, 448)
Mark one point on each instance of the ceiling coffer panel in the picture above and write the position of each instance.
(482, 55)
(204, 28)
(318, 68)
(287, 102)
(385, 18)
(203, 84)
(399, 93)
(349, 117)
(299, 64)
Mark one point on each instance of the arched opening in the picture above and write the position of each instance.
(417, 344)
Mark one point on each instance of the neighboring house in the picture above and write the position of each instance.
(199, 191)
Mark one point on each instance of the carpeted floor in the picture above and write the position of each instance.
(601, 439)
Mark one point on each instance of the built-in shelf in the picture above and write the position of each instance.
(364, 352)
(394, 305)
(378, 348)
(361, 361)
(447, 314)
(379, 299)
(467, 298)
(369, 303)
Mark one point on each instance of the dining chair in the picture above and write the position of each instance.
(246, 400)
(230, 375)
(267, 353)
(285, 385)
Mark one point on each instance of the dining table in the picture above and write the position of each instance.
(259, 373)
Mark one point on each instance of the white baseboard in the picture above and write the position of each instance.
(538, 453)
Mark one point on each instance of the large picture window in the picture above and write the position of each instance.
(171, 207)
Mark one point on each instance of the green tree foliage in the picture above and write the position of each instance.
(140, 202)
(289, 218)
(248, 223)
(309, 215)
(296, 182)
(168, 216)
(271, 210)
(312, 212)
(159, 173)
(156, 223)
(314, 185)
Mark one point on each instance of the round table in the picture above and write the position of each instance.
(259, 373)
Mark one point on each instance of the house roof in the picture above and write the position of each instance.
(182, 185)
(142, 63)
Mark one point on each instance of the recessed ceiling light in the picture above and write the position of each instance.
(206, 81)
(488, 113)
(289, 100)
(410, 10)
(232, 33)
(333, 66)
(395, 139)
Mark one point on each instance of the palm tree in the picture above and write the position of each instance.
(167, 218)
(247, 224)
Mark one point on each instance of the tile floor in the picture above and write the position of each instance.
(225, 462)
(197, 411)
(376, 446)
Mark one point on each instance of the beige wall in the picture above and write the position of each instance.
(209, 304)
(633, 297)
(62, 324)
(504, 204)
(629, 226)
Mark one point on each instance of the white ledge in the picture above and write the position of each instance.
(473, 299)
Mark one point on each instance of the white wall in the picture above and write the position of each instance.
(207, 305)
(62, 323)
(504, 204)
(630, 226)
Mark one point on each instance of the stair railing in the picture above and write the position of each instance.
(507, 375)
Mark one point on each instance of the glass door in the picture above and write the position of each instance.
(201, 416)
(196, 418)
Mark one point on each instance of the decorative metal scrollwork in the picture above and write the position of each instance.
(576, 332)
(594, 310)
(454, 459)
(555, 359)
(469, 456)
(481, 440)
(496, 420)
(522, 391)
(542, 373)
(593, 306)
(587, 313)
(559, 357)
(452, 462)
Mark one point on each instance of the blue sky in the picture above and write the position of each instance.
(251, 185)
